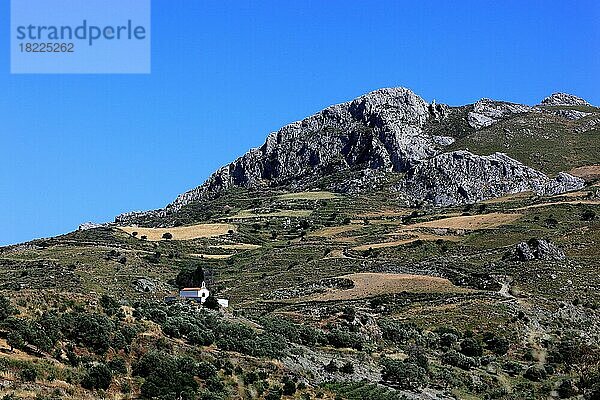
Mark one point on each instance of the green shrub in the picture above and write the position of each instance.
(498, 345)
(166, 376)
(117, 365)
(289, 386)
(331, 367)
(588, 215)
(15, 340)
(240, 338)
(97, 376)
(93, 330)
(403, 374)
(347, 368)
(535, 373)
(295, 333)
(6, 309)
(211, 303)
(471, 347)
(201, 337)
(398, 332)
(456, 359)
(342, 339)
(109, 305)
(28, 374)
(190, 277)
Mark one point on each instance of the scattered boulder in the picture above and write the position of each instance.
(438, 111)
(145, 285)
(535, 249)
(479, 121)
(486, 112)
(570, 114)
(443, 140)
(89, 225)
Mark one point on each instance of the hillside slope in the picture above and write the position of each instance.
(426, 253)
(391, 132)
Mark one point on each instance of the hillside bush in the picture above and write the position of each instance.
(97, 376)
(405, 375)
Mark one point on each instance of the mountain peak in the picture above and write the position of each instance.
(384, 132)
(564, 99)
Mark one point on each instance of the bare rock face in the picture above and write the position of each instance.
(388, 130)
(564, 99)
(462, 177)
(487, 112)
(570, 114)
(144, 285)
(535, 249)
(381, 130)
(89, 225)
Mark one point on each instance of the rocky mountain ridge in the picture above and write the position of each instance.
(386, 131)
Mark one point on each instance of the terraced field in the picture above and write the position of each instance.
(181, 232)
(375, 284)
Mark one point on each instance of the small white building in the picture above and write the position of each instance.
(200, 293)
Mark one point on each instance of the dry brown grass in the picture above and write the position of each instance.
(181, 232)
(15, 354)
(579, 193)
(212, 256)
(336, 254)
(375, 284)
(555, 203)
(413, 236)
(385, 213)
(237, 246)
(587, 172)
(308, 196)
(334, 230)
(509, 197)
(470, 222)
(246, 214)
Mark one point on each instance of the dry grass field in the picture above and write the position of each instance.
(471, 222)
(307, 196)
(334, 230)
(385, 213)
(588, 172)
(237, 246)
(375, 284)
(181, 232)
(592, 202)
(509, 197)
(212, 256)
(414, 236)
(247, 214)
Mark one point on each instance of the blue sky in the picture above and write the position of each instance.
(76, 148)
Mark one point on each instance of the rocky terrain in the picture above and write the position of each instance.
(386, 131)
(384, 248)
